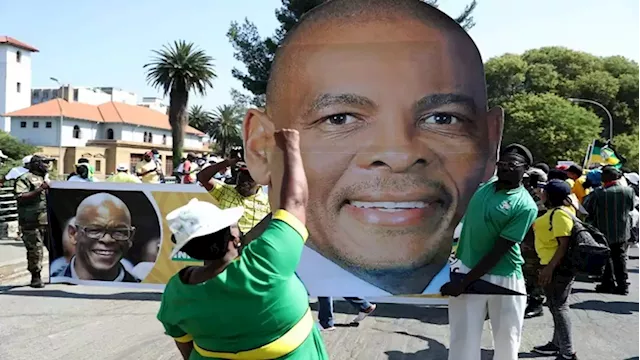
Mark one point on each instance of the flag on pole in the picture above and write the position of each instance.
(604, 154)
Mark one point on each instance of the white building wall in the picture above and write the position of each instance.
(88, 131)
(89, 96)
(23, 129)
(13, 96)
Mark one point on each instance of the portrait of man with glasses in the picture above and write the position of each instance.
(102, 235)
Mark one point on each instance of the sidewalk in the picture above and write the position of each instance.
(13, 260)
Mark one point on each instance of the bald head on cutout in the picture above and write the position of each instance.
(102, 234)
(390, 100)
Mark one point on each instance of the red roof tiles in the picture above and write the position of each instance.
(111, 112)
(16, 43)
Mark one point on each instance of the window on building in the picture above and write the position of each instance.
(169, 165)
(150, 137)
(164, 139)
(18, 87)
(76, 132)
(18, 56)
(144, 139)
(75, 94)
(36, 124)
(23, 124)
(98, 166)
(54, 94)
(45, 95)
(110, 134)
(48, 125)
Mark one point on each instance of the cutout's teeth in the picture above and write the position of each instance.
(389, 205)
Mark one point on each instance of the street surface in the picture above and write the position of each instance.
(84, 322)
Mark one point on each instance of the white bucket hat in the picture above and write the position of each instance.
(199, 218)
(122, 167)
(27, 159)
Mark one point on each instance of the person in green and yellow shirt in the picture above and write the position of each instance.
(577, 182)
(249, 305)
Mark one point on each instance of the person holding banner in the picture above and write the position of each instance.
(30, 191)
(499, 216)
(249, 305)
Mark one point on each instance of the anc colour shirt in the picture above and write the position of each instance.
(492, 214)
(256, 207)
(546, 235)
(253, 302)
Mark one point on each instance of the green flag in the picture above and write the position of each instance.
(605, 154)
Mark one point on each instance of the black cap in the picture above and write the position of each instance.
(575, 169)
(520, 150)
(558, 188)
(611, 171)
(154, 151)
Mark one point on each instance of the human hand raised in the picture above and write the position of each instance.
(287, 139)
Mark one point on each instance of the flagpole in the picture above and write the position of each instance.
(588, 155)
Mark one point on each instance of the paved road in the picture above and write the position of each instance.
(81, 322)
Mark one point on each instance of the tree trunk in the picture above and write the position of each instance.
(178, 119)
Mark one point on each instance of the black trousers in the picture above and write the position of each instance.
(615, 270)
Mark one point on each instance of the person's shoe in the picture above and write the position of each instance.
(363, 314)
(548, 349)
(572, 357)
(533, 311)
(36, 281)
(606, 289)
(326, 328)
(622, 290)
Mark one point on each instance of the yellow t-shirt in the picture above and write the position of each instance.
(123, 177)
(546, 240)
(151, 177)
(256, 207)
(577, 188)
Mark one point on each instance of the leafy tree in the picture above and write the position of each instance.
(627, 146)
(178, 70)
(226, 127)
(553, 128)
(14, 148)
(199, 118)
(611, 81)
(257, 53)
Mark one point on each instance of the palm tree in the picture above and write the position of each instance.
(200, 118)
(226, 127)
(177, 70)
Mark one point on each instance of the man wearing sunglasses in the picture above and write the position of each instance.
(102, 234)
(488, 262)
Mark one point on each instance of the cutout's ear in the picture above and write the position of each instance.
(257, 131)
(495, 123)
(72, 234)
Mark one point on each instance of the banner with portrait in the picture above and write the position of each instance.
(138, 252)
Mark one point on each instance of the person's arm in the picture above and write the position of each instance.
(275, 254)
(23, 190)
(185, 349)
(514, 233)
(205, 177)
(166, 316)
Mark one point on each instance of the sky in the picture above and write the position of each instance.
(106, 43)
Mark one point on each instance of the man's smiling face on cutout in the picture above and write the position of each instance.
(395, 138)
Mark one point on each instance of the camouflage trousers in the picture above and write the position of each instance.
(34, 239)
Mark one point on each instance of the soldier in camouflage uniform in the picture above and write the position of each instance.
(30, 189)
(535, 294)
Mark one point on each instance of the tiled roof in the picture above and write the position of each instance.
(16, 43)
(111, 112)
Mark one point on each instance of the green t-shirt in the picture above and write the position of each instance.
(253, 302)
(493, 214)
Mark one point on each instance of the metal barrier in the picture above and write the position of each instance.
(8, 205)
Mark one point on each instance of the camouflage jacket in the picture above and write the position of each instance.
(31, 212)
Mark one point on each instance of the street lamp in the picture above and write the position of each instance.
(574, 100)
(60, 169)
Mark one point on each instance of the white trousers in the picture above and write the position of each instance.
(466, 321)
